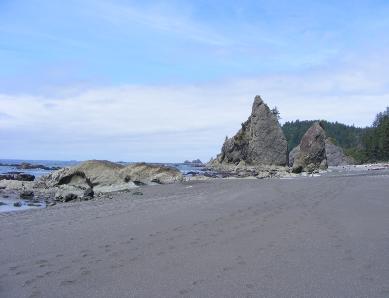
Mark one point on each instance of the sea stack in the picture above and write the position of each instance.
(260, 141)
(336, 156)
(312, 153)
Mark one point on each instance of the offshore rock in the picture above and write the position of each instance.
(260, 141)
(17, 176)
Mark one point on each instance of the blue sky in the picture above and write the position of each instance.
(167, 80)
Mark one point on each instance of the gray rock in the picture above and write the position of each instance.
(27, 195)
(260, 141)
(293, 154)
(26, 166)
(88, 194)
(70, 197)
(18, 204)
(105, 176)
(312, 154)
(2, 204)
(17, 176)
(336, 156)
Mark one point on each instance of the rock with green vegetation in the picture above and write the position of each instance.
(260, 141)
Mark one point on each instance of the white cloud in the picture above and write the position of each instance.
(171, 123)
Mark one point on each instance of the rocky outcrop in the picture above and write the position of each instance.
(17, 176)
(336, 156)
(312, 153)
(92, 179)
(85, 175)
(194, 163)
(293, 154)
(105, 176)
(29, 166)
(143, 173)
(260, 141)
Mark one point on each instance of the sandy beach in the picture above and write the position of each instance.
(303, 237)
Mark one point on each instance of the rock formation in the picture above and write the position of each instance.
(293, 154)
(260, 141)
(17, 176)
(336, 156)
(312, 153)
(105, 176)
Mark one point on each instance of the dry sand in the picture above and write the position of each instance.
(307, 237)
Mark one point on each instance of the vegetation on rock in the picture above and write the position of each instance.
(369, 144)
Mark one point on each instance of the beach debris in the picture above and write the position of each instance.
(137, 193)
(18, 204)
(2, 204)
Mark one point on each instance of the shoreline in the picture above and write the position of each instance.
(315, 236)
(10, 189)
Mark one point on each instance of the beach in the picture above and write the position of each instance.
(301, 237)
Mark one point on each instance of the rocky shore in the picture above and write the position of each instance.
(89, 180)
(258, 150)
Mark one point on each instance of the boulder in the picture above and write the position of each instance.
(27, 195)
(312, 154)
(104, 176)
(85, 175)
(19, 176)
(88, 193)
(70, 197)
(336, 156)
(142, 173)
(259, 142)
(293, 154)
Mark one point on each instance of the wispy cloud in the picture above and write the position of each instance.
(171, 122)
(123, 16)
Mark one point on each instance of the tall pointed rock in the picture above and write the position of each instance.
(260, 141)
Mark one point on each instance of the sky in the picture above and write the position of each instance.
(165, 81)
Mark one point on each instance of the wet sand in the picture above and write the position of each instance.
(306, 237)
